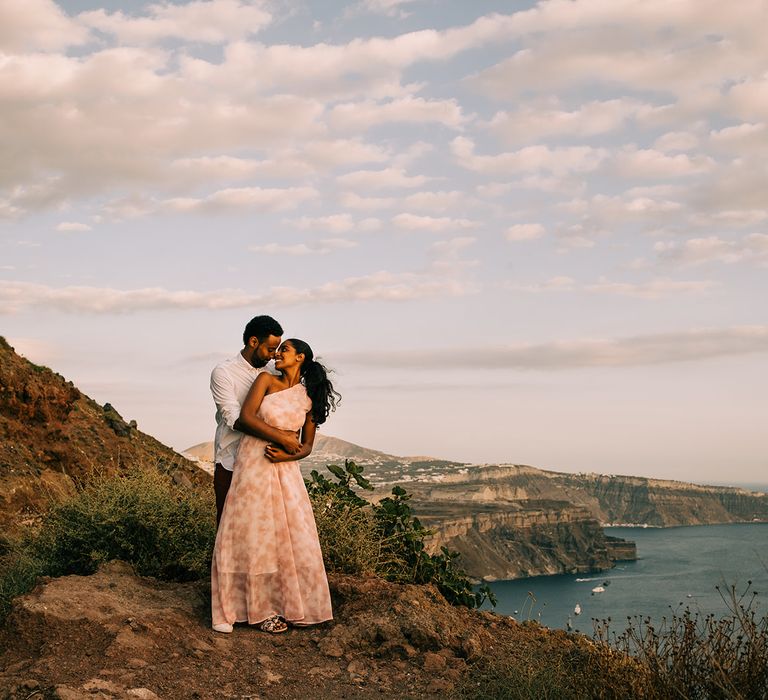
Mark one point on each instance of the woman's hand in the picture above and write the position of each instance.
(275, 454)
(290, 441)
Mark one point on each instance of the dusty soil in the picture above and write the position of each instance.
(116, 635)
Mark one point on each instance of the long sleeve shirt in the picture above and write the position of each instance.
(230, 382)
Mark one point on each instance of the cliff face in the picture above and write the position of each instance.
(511, 521)
(610, 499)
(52, 436)
(525, 538)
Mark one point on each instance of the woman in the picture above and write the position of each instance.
(267, 564)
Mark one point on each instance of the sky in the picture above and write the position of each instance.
(519, 232)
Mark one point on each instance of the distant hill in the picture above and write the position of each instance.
(52, 436)
(380, 467)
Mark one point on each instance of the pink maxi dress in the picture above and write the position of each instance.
(267, 558)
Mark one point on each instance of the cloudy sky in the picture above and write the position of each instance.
(531, 232)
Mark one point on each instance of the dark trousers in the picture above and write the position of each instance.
(222, 478)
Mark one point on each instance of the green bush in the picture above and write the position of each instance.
(141, 517)
(383, 538)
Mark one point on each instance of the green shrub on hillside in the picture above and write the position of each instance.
(141, 517)
(383, 538)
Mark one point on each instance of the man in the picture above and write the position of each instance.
(230, 382)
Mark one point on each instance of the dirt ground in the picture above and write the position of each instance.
(116, 635)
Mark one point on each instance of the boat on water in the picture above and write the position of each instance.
(577, 609)
(598, 589)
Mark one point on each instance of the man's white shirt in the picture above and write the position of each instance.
(230, 382)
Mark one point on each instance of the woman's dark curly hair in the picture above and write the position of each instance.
(315, 378)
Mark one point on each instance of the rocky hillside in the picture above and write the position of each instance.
(52, 435)
(116, 635)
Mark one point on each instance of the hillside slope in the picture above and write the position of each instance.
(52, 435)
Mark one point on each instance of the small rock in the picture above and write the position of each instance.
(357, 669)
(99, 685)
(227, 665)
(270, 677)
(264, 660)
(433, 662)
(30, 684)
(440, 685)
(198, 654)
(331, 647)
(143, 694)
(471, 647)
(199, 645)
(64, 692)
(136, 663)
(324, 672)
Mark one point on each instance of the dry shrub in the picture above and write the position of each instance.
(349, 537)
(547, 664)
(690, 655)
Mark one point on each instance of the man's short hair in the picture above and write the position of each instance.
(261, 327)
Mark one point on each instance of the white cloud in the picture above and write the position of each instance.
(72, 226)
(335, 223)
(359, 116)
(652, 289)
(697, 251)
(559, 161)
(209, 21)
(37, 25)
(391, 8)
(494, 189)
(745, 138)
(677, 141)
(16, 297)
(649, 163)
(300, 249)
(351, 200)
(525, 232)
(434, 224)
(435, 201)
(660, 288)
(652, 349)
(532, 122)
(388, 178)
(243, 198)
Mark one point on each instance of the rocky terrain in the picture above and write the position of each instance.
(116, 635)
(52, 436)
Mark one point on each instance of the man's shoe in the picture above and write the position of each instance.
(223, 627)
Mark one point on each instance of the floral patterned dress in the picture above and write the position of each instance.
(267, 558)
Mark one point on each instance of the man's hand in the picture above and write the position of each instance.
(290, 441)
(274, 454)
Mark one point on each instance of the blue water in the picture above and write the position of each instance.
(676, 567)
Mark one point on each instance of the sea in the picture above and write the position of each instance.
(677, 567)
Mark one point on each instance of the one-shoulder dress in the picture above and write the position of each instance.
(267, 559)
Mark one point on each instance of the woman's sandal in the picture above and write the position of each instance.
(273, 625)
